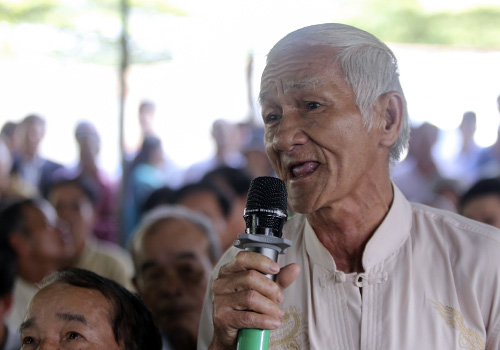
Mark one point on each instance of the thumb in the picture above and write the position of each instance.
(287, 275)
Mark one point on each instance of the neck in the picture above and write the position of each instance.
(345, 227)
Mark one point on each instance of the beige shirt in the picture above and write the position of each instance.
(108, 260)
(23, 292)
(431, 281)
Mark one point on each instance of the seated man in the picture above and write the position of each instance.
(77, 309)
(74, 200)
(9, 339)
(29, 231)
(174, 250)
(481, 202)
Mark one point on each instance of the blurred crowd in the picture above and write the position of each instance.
(155, 221)
(159, 230)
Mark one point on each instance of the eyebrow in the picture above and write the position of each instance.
(27, 324)
(30, 322)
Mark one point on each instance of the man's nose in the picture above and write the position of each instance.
(171, 283)
(289, 132)
(49, 344)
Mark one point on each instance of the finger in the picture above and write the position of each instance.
(245, 260)
(287, 275)
(249, 300)
(247, 280)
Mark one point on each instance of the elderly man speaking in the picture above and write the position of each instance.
(376, 271)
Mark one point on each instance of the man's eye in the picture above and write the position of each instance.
(313, 105)
(271, 118)
(74, 335)
(27, 341)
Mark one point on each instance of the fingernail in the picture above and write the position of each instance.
(274, 267)
(282, 313)
(280, 298)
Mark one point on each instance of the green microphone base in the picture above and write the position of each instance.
(253, 339)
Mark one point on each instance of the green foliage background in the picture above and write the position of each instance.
(396, 21)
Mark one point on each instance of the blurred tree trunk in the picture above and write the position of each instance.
(124, 63)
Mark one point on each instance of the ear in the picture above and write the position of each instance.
(390, 107)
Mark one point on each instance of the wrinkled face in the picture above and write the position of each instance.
(61, 316)
(484, 209)
(314, 132)
(172, 271)
(75, 208)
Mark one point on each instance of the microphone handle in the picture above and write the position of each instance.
(251, 338)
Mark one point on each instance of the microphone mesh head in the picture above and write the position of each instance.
(267, 192)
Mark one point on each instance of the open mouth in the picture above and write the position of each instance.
(303, 169)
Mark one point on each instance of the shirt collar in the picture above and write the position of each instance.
(389, 236)
(392, 232)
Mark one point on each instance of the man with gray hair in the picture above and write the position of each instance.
(370, 269)
(174, 251)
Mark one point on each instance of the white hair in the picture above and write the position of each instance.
(367, 64)
(165, 212)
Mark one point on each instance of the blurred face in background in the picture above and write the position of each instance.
(485, 209)
(74, 207)
(46, 241)
(32, 134)
(206, 202)
(172, 272)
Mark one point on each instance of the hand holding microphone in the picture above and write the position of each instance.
(245, 294)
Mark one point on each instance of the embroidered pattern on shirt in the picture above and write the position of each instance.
(469, 338)
(292, 333)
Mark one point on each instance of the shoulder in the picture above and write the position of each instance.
(451, 238)
(450, 223)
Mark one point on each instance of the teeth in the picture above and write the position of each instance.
(304, 169)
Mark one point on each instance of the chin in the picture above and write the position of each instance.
(299, 206)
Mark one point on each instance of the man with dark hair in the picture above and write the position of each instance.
(83, 310)
(89, 145)
(9, 339)
(74, 199)
(147, 111)
(211, 201)
(234, 182)
(481, 202)
(28, 164)
(29, 230)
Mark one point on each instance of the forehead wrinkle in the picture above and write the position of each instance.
(303, 84)
(66, 316)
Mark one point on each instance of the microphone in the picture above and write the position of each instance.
(265, 214)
